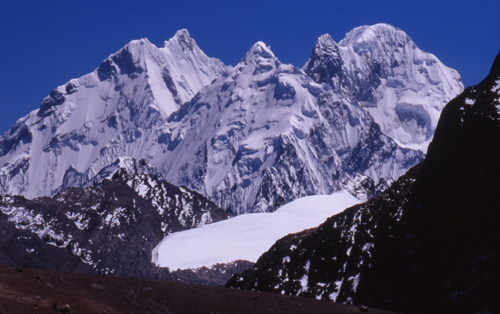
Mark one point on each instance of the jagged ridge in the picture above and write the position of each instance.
(284, 133)
(112, 226)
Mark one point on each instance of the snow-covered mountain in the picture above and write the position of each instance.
(120, 103)
(265, 133)
(427, 244)
(249, 137)
(380, 68)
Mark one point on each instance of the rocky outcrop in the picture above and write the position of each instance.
(111, 227)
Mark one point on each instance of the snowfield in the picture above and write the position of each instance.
(246, 236)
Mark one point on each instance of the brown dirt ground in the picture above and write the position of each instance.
(25, 290)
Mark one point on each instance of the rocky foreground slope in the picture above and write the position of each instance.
(25, 290)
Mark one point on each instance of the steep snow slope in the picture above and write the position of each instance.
(380, 67)
(119, 103)
(265, 133)
(246, 237)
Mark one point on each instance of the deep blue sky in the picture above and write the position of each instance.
(46, 43)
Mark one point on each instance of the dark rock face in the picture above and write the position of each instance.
(325, 62)
(217, 275)
(333, 260)
(55, 98)
(428, 244)
(17, 136)
(17, 249)
(456, 204)
(106, 70)
(110, 227)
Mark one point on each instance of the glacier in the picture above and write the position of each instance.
(246, 237)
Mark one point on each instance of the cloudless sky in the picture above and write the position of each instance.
(46, 43)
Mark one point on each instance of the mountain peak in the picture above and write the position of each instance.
(134, 47)
(324, 45)
(325, 62)
(138, 42)
(183, 39)
(376, 32)
(182, 33)
(127, 166)
(325, 40)
(259, 53)
(262, 49)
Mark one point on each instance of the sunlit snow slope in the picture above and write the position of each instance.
(381, 68)
(109, 113)
(246, 237)
(265, 134)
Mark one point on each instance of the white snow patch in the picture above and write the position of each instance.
(306, 266)
(80, 221)
(496, 88)
(246, 236)
(112, 219)
(355, 281)
(142, 190)
(303, 283)
(469, 101)
(333, 296)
